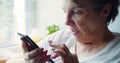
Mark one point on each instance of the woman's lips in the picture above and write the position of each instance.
(75, 32)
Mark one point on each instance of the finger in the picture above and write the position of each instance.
(46, 58)
(39, 58)
(63, 48)
(24, 45)
(50, 42)
(56, 46)
(42, 55)
(66, 49)
(60, 52)
(32, 54)
(55, 56)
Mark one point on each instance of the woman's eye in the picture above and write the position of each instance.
(78, 11)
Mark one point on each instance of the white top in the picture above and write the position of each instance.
(109, 54)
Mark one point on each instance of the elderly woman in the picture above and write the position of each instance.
(88, 39)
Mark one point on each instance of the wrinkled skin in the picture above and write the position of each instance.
(86, 24)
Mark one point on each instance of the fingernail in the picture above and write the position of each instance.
(50, 42)
(53, 48)
(28, 46)
(48, 57)
(55, 56)
(51, 45)
(45, 52)
(41, 49)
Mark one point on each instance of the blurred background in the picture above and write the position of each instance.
(32, 17)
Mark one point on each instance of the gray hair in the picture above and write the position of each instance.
(99, 4)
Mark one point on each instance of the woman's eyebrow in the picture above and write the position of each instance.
(74, 8)
(78, 8)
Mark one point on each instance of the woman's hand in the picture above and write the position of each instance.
(65, 54)
(35, 56)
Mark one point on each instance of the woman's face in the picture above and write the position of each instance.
(84, 22)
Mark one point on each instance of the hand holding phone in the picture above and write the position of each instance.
(29, 41)
(32, 44)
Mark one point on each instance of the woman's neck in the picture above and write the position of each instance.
(100, 39)
(93, 47)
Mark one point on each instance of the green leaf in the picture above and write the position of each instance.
(51, 29)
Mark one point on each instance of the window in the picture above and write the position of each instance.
(12, 20)
(25, 16)
(7, 22)
(42, 13)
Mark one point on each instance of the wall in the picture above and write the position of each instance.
(115, 26)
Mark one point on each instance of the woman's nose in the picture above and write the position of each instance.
(69, 20)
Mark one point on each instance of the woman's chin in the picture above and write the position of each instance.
(81, 39)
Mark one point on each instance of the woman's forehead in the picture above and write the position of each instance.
(67, 4)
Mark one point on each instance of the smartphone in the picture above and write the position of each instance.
(32, 44)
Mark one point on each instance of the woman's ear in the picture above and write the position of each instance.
(106, 11)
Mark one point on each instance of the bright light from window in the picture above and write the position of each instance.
(27, 16)
(19, 7)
